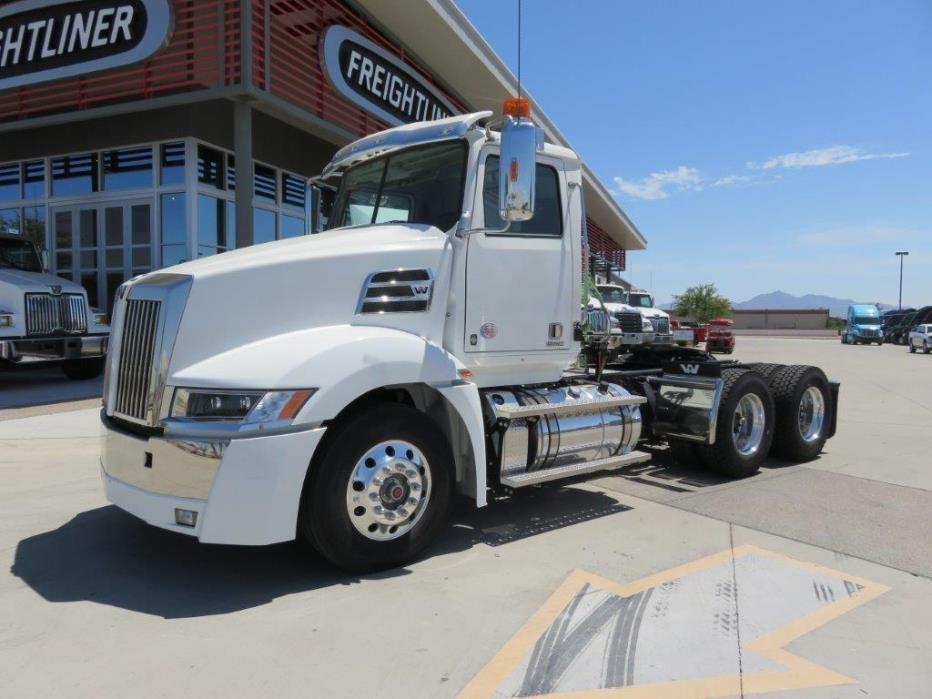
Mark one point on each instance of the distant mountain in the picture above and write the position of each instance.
(837, 308)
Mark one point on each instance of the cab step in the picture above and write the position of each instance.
(522, 480)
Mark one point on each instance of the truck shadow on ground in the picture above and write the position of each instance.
(111, 558)
(28, 387)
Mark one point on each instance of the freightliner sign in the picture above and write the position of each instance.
(372, 78)
(44, 40)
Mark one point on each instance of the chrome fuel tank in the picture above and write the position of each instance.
(554, 427)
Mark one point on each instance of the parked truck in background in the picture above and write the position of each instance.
(340, 387)
(636, 321)
(45, 319)
(863, 325)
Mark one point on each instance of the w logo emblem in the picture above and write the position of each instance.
(421, 290)
(690, 368)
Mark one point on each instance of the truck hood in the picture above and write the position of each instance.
(625, 308)
(249, 295)
(36, 281)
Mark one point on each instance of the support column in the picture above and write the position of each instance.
(242, 148)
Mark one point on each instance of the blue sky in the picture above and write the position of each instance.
(759, 146)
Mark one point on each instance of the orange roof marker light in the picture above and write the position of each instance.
(517, 107)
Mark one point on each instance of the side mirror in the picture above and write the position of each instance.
(322, 200)
(517, 169)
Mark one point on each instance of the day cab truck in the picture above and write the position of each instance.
(635, 320)
(863, 325)
(341, 387)
(44, 319)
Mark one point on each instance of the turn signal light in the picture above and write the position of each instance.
(517, 107)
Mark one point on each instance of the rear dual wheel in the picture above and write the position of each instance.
(381, 492)
(803, 402)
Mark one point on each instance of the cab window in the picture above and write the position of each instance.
(548, 215)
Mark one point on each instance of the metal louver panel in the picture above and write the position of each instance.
(47, 314)
(397, 291)
(137, 352)
(630, 322)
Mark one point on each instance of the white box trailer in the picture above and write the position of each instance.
(340, 387)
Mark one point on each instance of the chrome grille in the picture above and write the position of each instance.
(630, 322)
(397, 291)
(137, 352)
(47, 313)
(661, 325)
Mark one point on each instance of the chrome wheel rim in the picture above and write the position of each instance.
(388, 490)
(747, 429)
(811, 414)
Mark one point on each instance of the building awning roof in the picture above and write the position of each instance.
(428, 28)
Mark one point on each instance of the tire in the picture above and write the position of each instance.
(925, 347)
(83, 369)
(801, 393)
(329, 503)
(747, 390)
(912, 347)
(764, 369)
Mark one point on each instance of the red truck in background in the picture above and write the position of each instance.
(721, 338)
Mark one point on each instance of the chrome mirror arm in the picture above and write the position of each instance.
(463, 230)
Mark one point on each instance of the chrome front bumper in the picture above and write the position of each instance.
(629, 339)
(245, 491)
(23, 350)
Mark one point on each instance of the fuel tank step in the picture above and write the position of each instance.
(576, 407)
(521, 480)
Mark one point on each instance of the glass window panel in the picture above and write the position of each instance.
(141, 222)
(172, 161)
(263, 225)
(292, 226)
(63, 262)
(265, 182)
(89, 282)
(294, 190)
(9, 182)
(142, 257)
(129, 168)
(114, 279)
(34, 179)
(113, 225)
(231, 172)
(74, 174)
(63, 230)
(231, 224)
(173, 255)
(88, 259)
(88, 227)
(34, 225)
(9, 221)
(173, 219)
(114, 257)
(210, 166)
(547, 210)
(210, 224)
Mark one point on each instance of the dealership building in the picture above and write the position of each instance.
(135, 134)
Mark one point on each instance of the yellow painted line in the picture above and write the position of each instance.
(799, 673)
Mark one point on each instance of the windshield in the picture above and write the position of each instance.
(642, 300)
(423, 184)
(18, 254)
(613, 294)
(866, 320)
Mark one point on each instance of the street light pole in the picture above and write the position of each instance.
(901, 255)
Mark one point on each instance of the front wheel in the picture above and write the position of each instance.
(912, 347)
(925, 347)
(381, 492)
(83, 369)
(744, 428)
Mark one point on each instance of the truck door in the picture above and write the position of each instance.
(520, 294)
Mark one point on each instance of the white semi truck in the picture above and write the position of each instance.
(341, 387)
(45, 319)
(635, 320)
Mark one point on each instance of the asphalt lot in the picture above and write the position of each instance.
(660, 581)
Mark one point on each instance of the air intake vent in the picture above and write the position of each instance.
(397, 291)
(47, 314)
(137, 352)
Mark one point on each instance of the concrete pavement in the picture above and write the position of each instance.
(96, 603)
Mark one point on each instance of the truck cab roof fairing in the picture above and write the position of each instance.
(402, 137)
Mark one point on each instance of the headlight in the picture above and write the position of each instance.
(7, 320)
(250, 407)
(647, 326)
